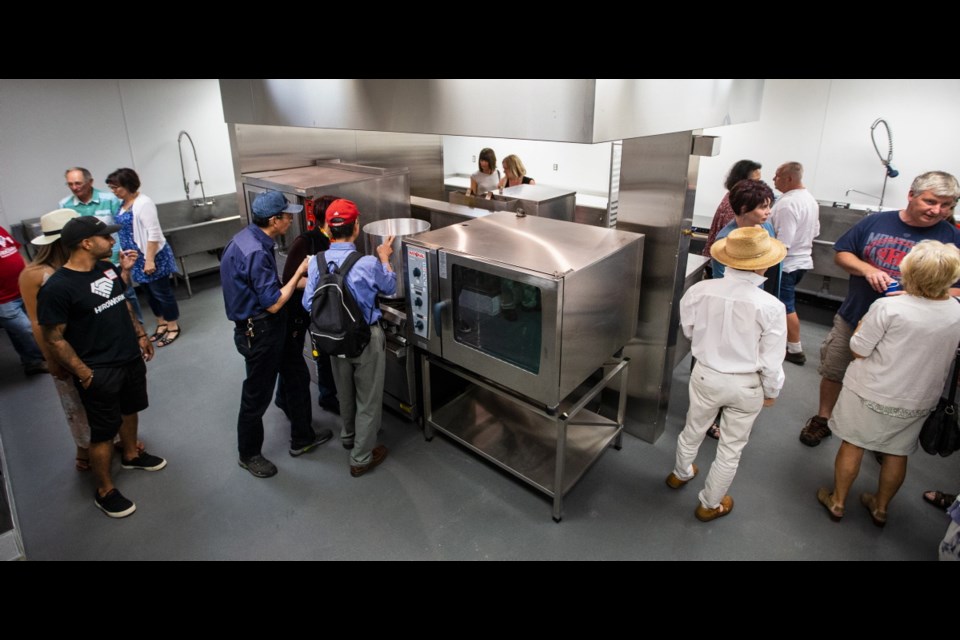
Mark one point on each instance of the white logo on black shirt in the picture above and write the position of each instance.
(102, 287)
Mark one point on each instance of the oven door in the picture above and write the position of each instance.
(502, 323)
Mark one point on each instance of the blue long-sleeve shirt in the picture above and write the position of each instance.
(248, 274)
(366, 279)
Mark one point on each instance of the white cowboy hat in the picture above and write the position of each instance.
(51, 224)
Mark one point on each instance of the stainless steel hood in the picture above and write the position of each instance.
(561, 110)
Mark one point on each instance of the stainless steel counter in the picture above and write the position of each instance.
(694, 274)
(443, 214)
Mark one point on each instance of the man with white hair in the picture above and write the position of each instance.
(796, 219)
(871, 252)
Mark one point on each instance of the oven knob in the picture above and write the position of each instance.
(419, 325)
(416, 272)
(418, 302)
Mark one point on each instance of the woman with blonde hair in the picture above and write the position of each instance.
(902, 349)
(515, 173)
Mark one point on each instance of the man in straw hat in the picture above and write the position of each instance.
(738, 334)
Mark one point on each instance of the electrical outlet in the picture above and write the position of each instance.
(473, 158)
(555, 167)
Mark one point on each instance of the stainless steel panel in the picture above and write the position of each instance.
(629, 108)
(523, 442)
(551, 247)
(379, 193)
(658, 178)
(376, 233)
(835, 220)
(490, 204)
(540, 201)
(443, 214)
(599, 312)
(261, 148)
(563, 110)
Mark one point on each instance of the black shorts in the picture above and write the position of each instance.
(115, 392)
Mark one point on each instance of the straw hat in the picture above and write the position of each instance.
(52, 224)
(748, 249)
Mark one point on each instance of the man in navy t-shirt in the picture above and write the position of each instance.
(871, 252)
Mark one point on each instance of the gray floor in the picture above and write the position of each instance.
(429, 500)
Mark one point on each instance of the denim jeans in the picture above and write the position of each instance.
(161, 299)
(13, 318)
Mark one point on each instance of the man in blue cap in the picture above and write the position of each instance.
(254, 299)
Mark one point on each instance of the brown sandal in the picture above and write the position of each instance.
(870, 502)
(824, 497)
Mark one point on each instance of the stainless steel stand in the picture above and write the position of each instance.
(549, 449)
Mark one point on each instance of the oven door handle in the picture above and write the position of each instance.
(437, 315)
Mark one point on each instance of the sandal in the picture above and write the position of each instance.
(939, 499)
(159, 333)
(869, 501)
(714, 431)
(824, 497)
(82, 464)
(166, 339)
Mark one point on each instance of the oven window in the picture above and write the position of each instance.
(497, 316)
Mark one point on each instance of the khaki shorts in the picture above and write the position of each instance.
(835, 354)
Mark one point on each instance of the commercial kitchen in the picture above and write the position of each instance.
(545, 438)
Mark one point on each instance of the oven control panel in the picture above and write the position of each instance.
(419, 294)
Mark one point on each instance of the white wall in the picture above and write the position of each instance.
(825, 124)
(584, 168)
(47, 126)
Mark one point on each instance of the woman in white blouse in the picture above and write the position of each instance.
(140, 231)
(486, 179)
(903, 349)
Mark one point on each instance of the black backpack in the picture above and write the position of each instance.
(337, 326)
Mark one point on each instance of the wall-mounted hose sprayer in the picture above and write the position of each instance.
(202, 202)
(889, 171)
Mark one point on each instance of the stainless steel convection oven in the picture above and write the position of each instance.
(529, 310)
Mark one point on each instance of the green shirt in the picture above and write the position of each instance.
(102, 205)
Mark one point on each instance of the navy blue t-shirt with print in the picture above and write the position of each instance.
(882, 240)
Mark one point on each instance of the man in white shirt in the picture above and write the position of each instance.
(796, 219)
(738, 334)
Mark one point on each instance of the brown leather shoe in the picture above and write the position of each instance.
(378, 455)
(706, 515)
(814, 431)
(869, 501)
(675, 483)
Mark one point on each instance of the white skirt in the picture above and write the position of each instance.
(859, 425)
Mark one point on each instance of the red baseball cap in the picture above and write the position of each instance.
(341, 212)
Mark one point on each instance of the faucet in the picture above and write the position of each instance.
(864, 193)
(202, 202)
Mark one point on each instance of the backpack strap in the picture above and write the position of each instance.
(321, 259)
(348, 264)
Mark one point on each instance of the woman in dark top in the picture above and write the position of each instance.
(309, 243)
(515, 173)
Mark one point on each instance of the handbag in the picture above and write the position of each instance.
(940, 434)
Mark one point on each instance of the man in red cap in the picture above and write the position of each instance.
(359, 380)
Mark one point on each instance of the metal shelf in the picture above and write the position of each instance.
(549, 452)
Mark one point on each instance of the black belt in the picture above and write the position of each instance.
(266, 315)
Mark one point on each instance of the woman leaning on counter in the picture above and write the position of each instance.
(140, 231)
(488, 177)
(516, 173)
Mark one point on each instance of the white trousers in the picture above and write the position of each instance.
(741, 398)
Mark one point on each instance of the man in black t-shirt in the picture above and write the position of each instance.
(92, 332)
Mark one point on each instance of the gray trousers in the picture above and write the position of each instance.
(360, 390)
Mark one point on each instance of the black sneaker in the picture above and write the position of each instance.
(114, 504)
(144, 461)
(258, 466)
(796, 358)
(319, 438)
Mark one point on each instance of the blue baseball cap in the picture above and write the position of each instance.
(272, 203)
